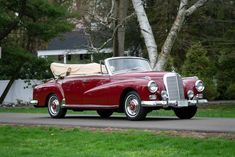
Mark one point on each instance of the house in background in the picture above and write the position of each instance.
(70, 47)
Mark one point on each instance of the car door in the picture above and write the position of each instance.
(93, 93)
(73, 88)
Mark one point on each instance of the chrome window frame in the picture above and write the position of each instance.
(107, 65)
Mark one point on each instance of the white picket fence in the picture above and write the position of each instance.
(18, 92)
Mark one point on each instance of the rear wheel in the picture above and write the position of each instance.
(54, 107)
(132, 106)
(105, 113)
(185, 112)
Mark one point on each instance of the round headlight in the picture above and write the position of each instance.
(152, 86)
(190, 94)
(164, 95)
(199, 85)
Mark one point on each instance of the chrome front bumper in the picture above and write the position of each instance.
(173, 103)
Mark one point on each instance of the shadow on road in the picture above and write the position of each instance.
(113, 118)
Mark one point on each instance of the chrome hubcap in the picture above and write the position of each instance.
(132, 105)
(54, 105)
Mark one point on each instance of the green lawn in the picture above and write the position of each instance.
(203, 111)
(226, 111)
(74, 142)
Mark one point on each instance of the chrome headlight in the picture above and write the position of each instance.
(152, 86)
(164, 95)
(199, 85)
(190, 94)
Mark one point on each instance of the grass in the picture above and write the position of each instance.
(74, 142)
(225, 111)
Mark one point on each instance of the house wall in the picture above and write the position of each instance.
(18, 91)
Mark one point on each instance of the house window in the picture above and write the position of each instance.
(60, 58)
(69, 57)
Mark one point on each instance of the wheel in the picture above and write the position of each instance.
(132, 106)
(54, 107)
(185, 112)
(105, 113)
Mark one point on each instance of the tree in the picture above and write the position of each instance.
(159, 61)
(27, 26)
(197, 63)
(119, 35)
(18, 57)
(225, 74)
(146, 31)
(183, 12)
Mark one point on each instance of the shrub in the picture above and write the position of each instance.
(197, 63)
(230, 92)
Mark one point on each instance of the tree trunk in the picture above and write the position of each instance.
(8, 87)
(119, 36)
(146, 31)
(168, 44)
(183, 12)
(10, 83)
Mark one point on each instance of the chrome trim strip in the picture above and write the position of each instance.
(106, 61)
(177, 83)
(88, 106)
(171, 103)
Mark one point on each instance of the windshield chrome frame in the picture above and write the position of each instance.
(106, 62)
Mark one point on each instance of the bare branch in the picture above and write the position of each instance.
(110, 14)
(107, 20)
(115, 30)
(194, 7)
(96, 50)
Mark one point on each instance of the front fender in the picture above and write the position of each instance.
(110, 93)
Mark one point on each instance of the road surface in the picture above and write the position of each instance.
(153, 123)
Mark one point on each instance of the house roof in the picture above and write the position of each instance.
(70, 40)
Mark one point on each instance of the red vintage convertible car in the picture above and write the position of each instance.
(122, 84)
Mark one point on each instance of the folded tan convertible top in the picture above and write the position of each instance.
(59, 69)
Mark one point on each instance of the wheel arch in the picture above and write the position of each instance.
(47, 98)
(124, 92)
(58, 94)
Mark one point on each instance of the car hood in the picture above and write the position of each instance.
(151, 74)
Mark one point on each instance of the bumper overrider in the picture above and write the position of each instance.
(173, 103)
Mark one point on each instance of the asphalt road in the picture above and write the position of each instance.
(155, 123)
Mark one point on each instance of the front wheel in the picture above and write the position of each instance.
(105, 113)
(132, 106)
(54, 107)
(186, 112)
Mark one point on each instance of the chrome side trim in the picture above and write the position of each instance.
(171, 103)
(88, 106)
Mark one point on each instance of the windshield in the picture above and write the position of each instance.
(123, 65)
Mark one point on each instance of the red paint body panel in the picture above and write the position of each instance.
(103, 89)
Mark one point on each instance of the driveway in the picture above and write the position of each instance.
(154, 123)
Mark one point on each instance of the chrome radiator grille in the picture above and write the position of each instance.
(174, 86)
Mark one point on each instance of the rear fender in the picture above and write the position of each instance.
(43, 92)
